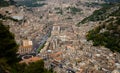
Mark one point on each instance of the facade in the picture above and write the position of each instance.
(26, 42)
(26, 47)
(56, 30)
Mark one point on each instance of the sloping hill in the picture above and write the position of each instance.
(108, 32)
(4, 3)
(105, 12)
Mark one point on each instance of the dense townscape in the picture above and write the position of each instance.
(70, 36)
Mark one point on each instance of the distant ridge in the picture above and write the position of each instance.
(4, 3)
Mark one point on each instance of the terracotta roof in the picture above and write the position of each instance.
(56, 54)
(33, 59)
(70, 47)
(58, 58)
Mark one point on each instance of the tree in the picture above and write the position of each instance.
(8, 58)
(8, 46)
(34, 67)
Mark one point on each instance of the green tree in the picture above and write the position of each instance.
(8, 58)
(8, 46)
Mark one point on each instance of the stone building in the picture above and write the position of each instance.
(26, 47)
(56, 30)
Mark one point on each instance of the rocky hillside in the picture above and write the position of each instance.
(105, 12)
(107, 32)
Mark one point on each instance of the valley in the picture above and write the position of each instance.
(55, 31)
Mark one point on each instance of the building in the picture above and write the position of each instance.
(26, 42)
(30, 60)
(26, 47)
(18, 17)
(55, 30)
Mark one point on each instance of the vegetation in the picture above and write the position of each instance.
(74, 10)
(92, 4)
(8, 57)
(8, 47)
(101, 14)
(107, 34)
(36, 67)
(31, 3)
(41, 47)
(4, 3)
(59, 10)
(36, 5)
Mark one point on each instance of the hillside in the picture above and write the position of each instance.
(49, 28)
(105, 12)
(107, 33)
(4, 3)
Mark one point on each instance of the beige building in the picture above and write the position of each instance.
(26, 47)
(26, 42)
(56, 30)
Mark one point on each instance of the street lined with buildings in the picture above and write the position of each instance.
(50, 33)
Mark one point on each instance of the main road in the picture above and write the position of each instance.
(38, 45)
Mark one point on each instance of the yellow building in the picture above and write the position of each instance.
(26, 47)
(55, 30)
(26, 42)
